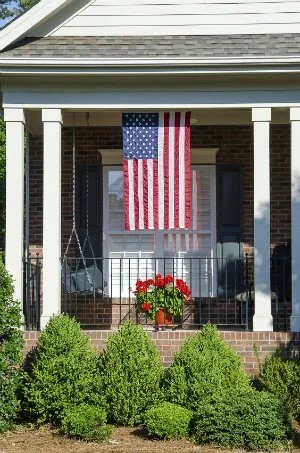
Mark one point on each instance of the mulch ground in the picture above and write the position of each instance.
(124, 440)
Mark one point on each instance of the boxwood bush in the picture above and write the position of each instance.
(250, 420)
(62, 372)
(11, 343)
(282, 378)
(168, 421)
(86, 422)
(205, 366)
(132, 371)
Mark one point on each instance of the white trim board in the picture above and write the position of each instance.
(198, 156)
(36, 15)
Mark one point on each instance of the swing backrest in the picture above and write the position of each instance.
(85, 280)
(67, 278)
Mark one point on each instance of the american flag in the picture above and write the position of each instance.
(156, 167)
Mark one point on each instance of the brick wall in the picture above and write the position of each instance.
(235, 145)
(169, 343)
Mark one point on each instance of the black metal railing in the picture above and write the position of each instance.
(33, 266)
(99, 292)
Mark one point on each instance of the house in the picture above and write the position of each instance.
(69, 69)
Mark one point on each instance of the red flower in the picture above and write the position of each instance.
(146, 307)
(149, 282)
(160, 282)
(183, 288)
(141, 286)
(157, 276)
(169, 279)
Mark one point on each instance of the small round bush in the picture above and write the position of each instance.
(132, 371)
(86, 422)
(204, 366)
(168, 421)
(251, 420)
(63, 372)
(282, 378)
(11, 344)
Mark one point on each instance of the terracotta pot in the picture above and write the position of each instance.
(163, 318)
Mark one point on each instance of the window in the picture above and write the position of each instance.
(141, 254)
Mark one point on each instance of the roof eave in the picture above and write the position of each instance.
(117, 66)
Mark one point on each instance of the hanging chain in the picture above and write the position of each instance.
(87, 200)
(87, 236)
(74, 175)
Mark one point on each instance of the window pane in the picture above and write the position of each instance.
(115, 202)
(201, 199)
(132, 257)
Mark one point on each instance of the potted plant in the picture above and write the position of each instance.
(162, 299)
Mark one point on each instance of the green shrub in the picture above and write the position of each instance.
(205, 366)
(132, 373)
(282, 378)
(11, 343)
(251, 420)
(63, 372)
(168, 421)
(86, 422)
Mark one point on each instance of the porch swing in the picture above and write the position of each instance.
(81, 278)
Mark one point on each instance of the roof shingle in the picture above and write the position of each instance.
(156, 46)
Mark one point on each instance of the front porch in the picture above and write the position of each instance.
(243, 162)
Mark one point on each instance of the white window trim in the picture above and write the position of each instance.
(212, 231)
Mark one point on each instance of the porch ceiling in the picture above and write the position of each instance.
(199, 117)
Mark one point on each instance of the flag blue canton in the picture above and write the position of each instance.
(140, 135)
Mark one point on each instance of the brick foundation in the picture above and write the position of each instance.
(169, 342)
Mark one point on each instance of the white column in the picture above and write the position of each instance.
(262, 320)
(295, 214)
(14, 241)
(52, 120)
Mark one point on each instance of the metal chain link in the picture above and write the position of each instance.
(74, 231)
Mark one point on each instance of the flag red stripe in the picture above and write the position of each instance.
(155, 193)
(176, 170)
(187, 170)
(126, 195)
(136, 194)
(145, 193)
(166, 169)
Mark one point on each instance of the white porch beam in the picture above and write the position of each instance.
(295, 214)
(262, 320)
(14, 245)
(52, 121)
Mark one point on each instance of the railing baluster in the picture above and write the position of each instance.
(231, 285)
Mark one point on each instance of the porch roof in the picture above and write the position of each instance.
(56, 47)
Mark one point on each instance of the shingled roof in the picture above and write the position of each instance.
(98, 47)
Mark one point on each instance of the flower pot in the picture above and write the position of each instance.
(163, 318)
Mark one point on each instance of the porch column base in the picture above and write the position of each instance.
(263, 323)
(46, 318)
(295, 323)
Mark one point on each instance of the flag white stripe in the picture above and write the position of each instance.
(182, 171)
(171, 169)
(150, 193)
(141, 193)
(161, 188)
(131, 195)
(194, 210)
